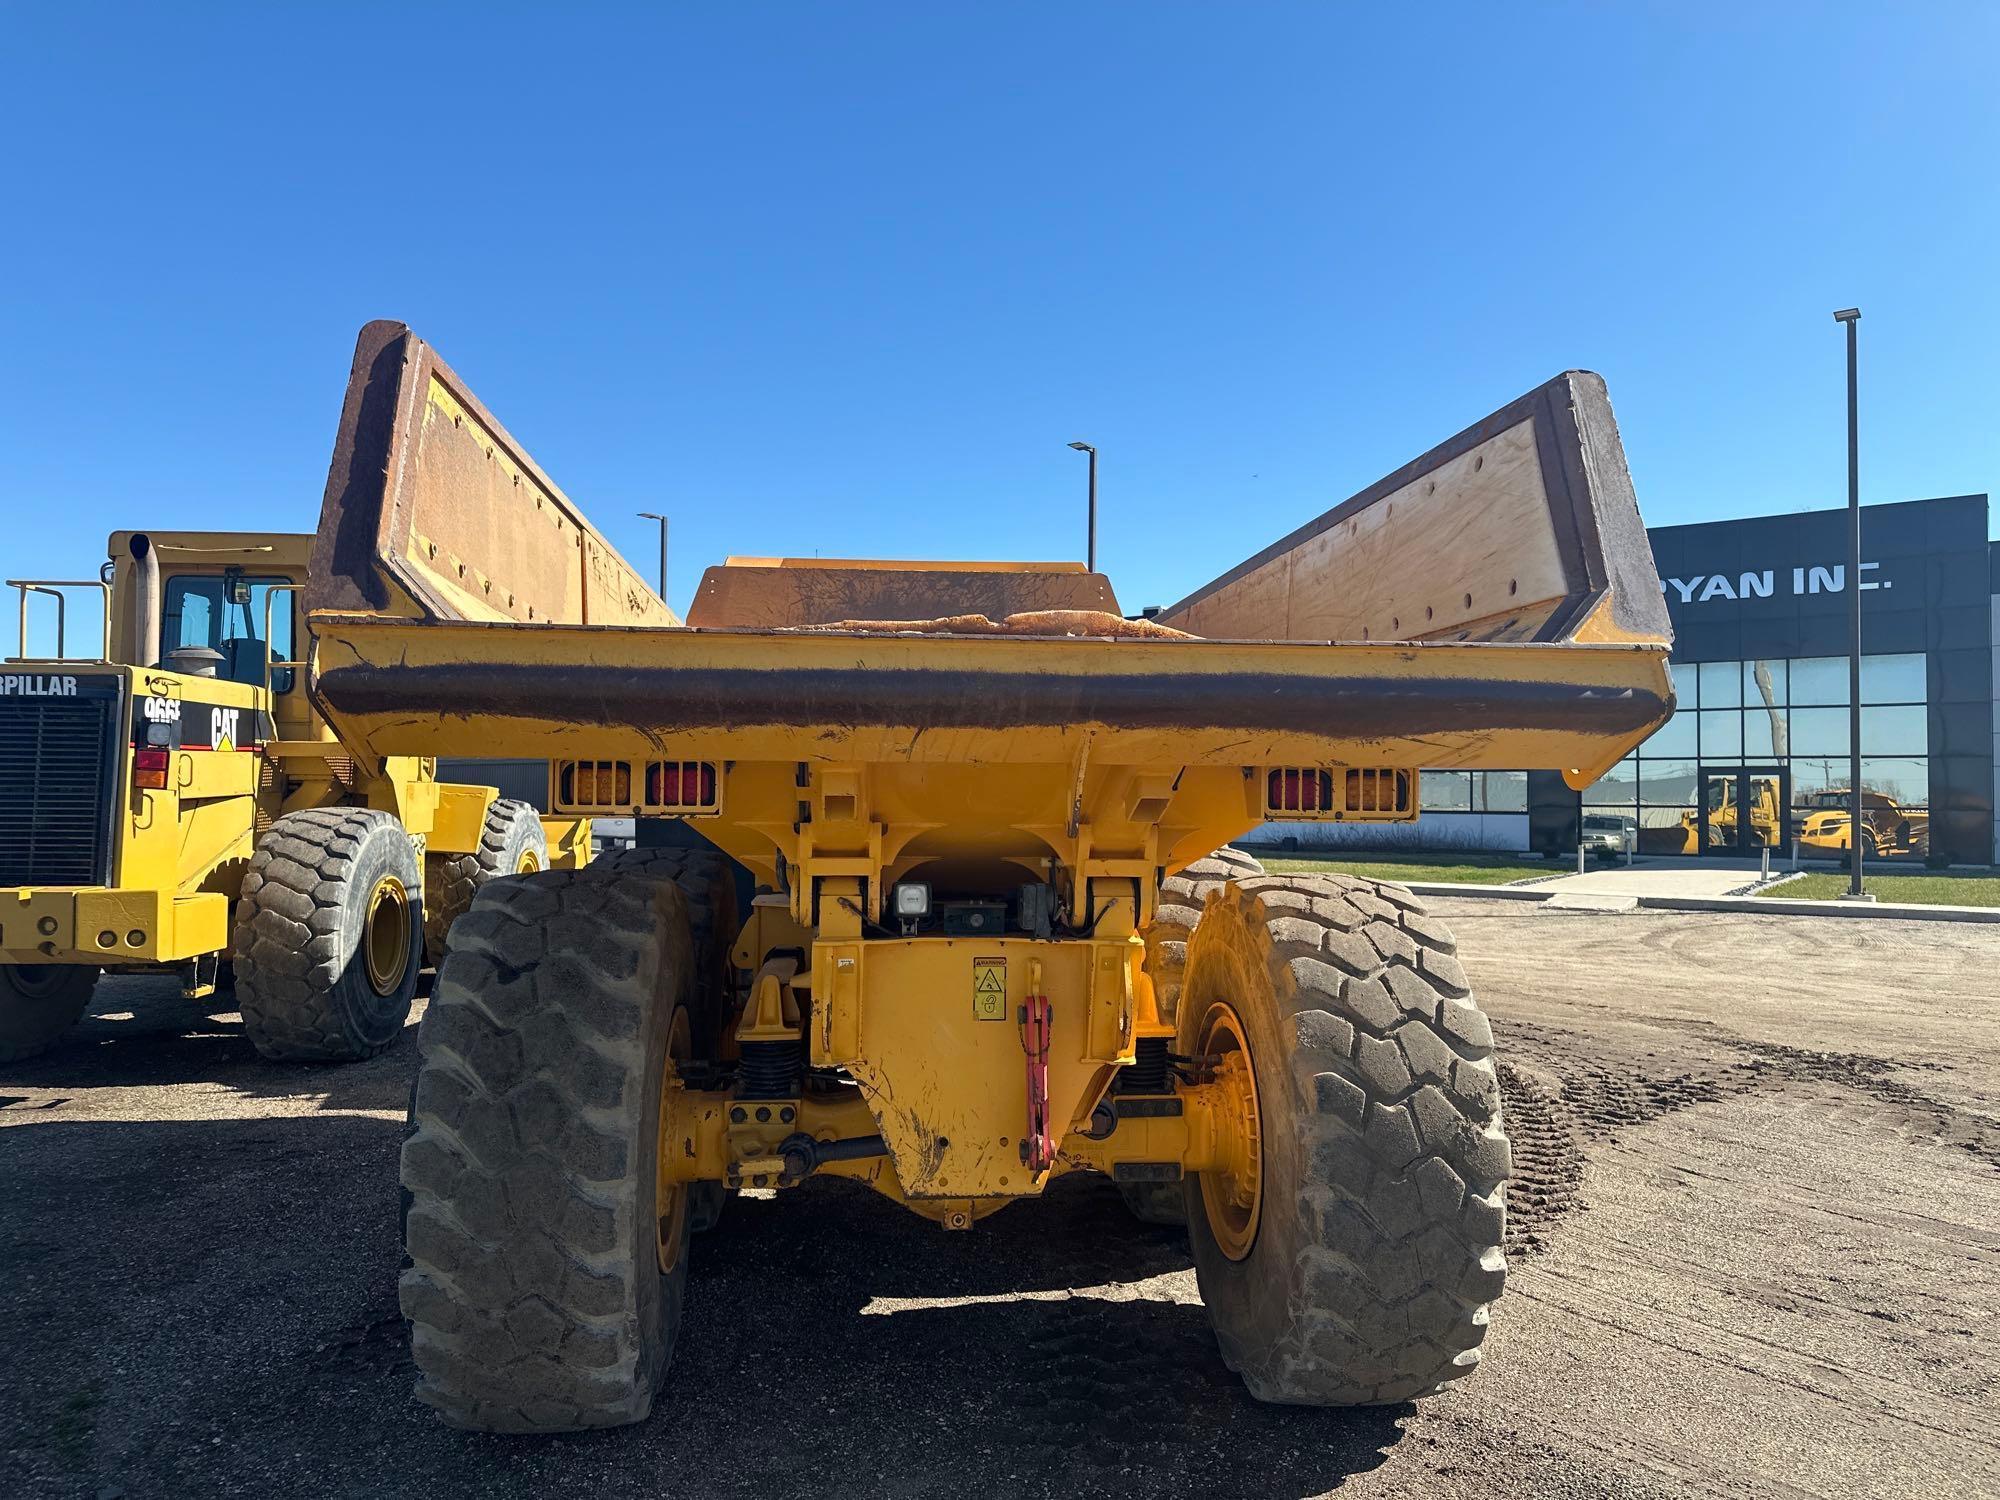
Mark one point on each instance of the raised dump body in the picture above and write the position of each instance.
(992, 942)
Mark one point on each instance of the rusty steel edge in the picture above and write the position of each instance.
(671, 700)
(364, 527)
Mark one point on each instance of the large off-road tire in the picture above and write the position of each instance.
(328, 935)
(511, 843)
(546, 1270)
(707, 880)
(1178, 913)
(38, 1003)
(1364, 1270)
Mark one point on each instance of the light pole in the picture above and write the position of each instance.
(1090, 560)
(1850, 316)
(650, 515)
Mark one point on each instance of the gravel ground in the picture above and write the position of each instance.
(1755, 1239)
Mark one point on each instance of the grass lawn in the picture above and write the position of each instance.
(1937, 890)
(1458, 869)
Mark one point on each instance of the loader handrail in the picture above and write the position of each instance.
(272, 666)
(53, 587)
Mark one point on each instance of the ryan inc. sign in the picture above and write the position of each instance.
(1764, 584)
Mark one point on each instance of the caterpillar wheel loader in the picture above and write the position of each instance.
(1826, 823)
(990, 941)
(173, 804)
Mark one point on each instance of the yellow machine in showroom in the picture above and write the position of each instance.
(992, 941)
(172, 803)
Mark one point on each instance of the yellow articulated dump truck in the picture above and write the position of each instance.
(172, 803)
(992, 940)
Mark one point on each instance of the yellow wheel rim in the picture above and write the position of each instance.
(1232, 1193)
(530, 862)
(672, 1201)
(385, 935)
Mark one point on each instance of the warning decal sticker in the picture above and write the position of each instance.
(989, 989)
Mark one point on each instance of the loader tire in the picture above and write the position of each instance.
(1364, 1272)
(1179, 910)
(511, 843)
(328, 935)
(536, 1232)
(38, 1003)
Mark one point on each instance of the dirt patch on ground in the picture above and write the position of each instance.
(1755, 1237)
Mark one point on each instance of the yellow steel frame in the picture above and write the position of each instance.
(830, 816)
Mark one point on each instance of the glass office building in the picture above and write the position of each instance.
(1757, 752)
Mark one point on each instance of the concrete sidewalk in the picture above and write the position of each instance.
(1679, 878)
(1706, 886)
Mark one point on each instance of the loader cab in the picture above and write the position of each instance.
(244, 619)
(228, 608)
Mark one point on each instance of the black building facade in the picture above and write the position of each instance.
(1757, 751)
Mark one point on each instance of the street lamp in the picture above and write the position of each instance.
(1091, 556)
(1850, 316)
(650, 515)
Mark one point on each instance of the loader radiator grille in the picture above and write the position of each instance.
(56, 788)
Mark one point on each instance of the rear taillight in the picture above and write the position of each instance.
(665, 788)
(1314, 794)
(688, 784)
(149, 769)
(1296, 790)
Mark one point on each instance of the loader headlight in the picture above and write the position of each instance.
(912, 899)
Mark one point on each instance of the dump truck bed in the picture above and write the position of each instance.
(1492, 604)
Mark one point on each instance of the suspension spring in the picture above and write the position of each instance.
(1149, 1072)
(770, 1070)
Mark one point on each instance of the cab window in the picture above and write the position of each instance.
(225, 612)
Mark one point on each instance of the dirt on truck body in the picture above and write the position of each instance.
(998, 934)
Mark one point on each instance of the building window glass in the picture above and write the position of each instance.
(1819, 680)
(1721, 734)
(1445, 791)
(1721, 684)
(1766, 732)
(1901, 729)
(1736, 720)
(1818, 731)
(1891, 679)
(1677, 735)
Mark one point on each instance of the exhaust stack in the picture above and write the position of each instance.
(146, 644)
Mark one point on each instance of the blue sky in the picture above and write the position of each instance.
(846, 278)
